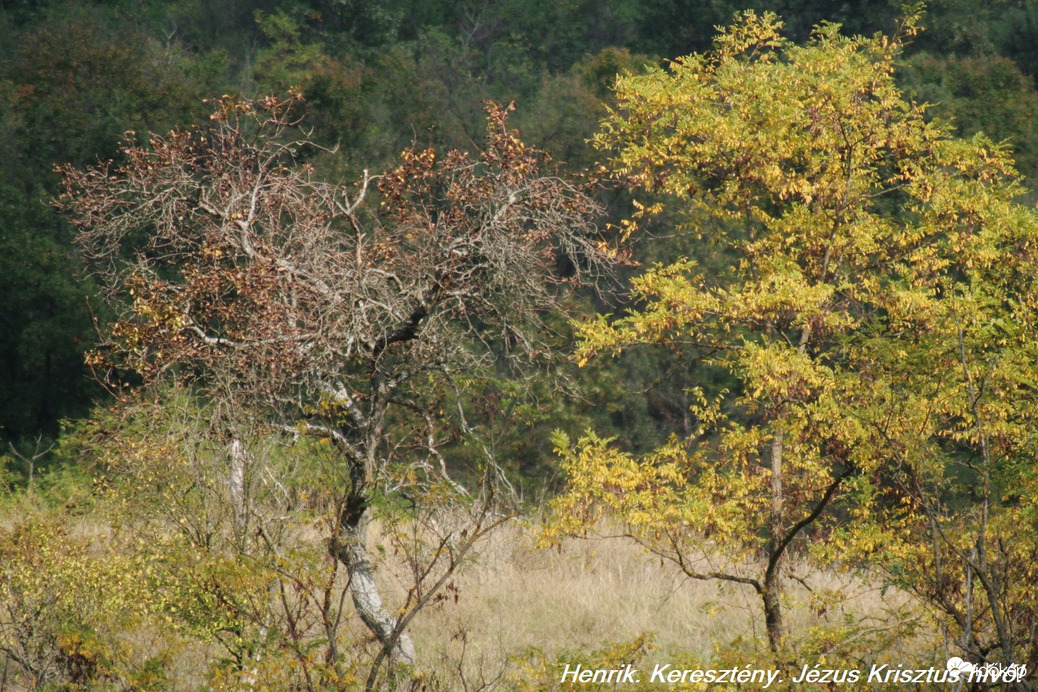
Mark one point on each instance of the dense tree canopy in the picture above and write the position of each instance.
(872, 332)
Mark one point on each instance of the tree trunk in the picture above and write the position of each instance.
(238, 457)
(772, 593)
(351, 549)
(777, 499)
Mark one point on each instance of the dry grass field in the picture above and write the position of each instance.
(524, 612)
(515, 615)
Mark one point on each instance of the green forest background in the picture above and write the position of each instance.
(379, 76)
(86, 484)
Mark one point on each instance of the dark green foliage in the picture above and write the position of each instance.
(72, 80)
(987, 94)
(82, 79)
(44, 323)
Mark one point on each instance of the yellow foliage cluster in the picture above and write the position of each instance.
(871, 342)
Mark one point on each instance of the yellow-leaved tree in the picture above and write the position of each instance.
(866, 353)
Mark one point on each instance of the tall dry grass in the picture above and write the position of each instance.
(524, 611)
(516, 614)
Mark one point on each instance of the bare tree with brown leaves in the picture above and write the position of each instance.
(338, 311)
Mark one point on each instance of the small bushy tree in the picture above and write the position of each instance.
(353, 314)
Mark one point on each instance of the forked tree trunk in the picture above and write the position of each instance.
(351, 549)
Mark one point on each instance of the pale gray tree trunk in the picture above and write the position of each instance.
(239, 459)
(351, 549)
